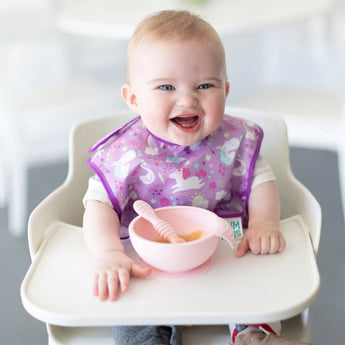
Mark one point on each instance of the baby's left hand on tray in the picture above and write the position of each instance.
(263, 238)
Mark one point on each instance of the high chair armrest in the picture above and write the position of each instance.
(63, 204)
(297, 199)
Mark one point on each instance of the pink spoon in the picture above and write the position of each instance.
(163, 228)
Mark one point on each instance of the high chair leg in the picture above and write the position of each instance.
(341, 169)
(3, 178)
(18, 187)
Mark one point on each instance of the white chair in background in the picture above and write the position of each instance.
(3, 191)
(41, 98)
(303, 78)
(47, 84)
(63, 208)
(315, 119)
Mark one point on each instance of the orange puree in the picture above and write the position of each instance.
(195, 235)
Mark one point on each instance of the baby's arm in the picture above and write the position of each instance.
(113, 267)
(263, 235)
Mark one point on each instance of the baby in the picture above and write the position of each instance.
(182, 149)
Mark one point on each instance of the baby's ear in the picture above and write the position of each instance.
(129, 97)
(227, 88)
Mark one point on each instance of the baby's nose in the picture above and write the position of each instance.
(188, 100)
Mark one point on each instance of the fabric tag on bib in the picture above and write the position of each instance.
(236, 224)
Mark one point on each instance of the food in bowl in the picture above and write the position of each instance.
(195, 235)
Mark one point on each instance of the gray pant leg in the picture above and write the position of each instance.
(147, 335)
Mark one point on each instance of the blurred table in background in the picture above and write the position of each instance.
(117, 19)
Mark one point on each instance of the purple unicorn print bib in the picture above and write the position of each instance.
(215, 173)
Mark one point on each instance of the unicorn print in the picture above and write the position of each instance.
(226, 154)
(149, 177)
(122, 165)
(184, 182)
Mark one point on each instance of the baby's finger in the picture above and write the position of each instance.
(140, 271)
(255, 245)
(282, 243)
(242, 248)
(113, 283)
(123, 279)
(275, 244)
(95, 285)
(102, 286)
(265, 245)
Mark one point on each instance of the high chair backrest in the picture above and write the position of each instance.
(64, 204)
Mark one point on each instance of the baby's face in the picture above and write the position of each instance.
(178, 88)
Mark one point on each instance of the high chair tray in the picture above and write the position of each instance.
(251, 289)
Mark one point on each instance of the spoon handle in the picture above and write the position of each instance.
(163, 228)
(146, 211)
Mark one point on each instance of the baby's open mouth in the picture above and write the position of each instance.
(186, 122)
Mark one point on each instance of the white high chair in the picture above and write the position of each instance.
(57, 287)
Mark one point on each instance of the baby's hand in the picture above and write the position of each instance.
(113, 271)
(263, 238)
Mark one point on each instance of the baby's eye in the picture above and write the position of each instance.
(204, 86)
(167, 87)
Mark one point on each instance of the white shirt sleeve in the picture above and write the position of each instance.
(262, 173)
(96, 191)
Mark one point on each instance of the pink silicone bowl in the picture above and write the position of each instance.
(176, 257)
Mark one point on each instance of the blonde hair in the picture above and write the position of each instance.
(172, 25)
